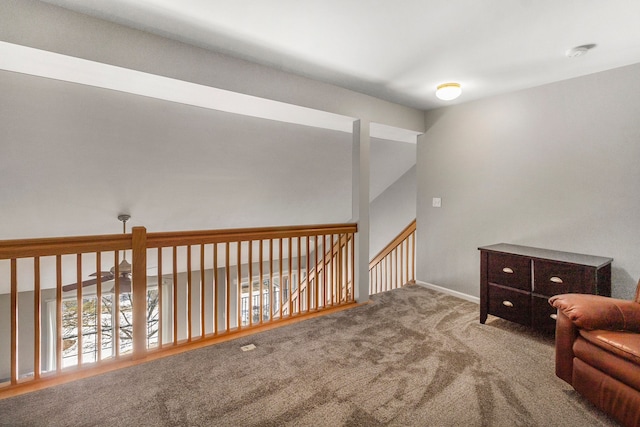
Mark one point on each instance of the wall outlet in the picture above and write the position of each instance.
(437, 202)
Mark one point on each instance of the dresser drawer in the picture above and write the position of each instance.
(543, 314)
(510, 304)
(554, 278)
(510, 270)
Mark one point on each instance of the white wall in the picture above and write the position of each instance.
(554, 167)
(88, 154)
(392, 211)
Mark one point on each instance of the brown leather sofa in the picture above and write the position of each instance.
(598, 351)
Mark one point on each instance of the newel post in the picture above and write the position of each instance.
(139, 281)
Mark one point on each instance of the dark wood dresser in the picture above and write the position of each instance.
(516, 282)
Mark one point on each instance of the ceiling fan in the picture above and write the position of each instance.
(124, 269)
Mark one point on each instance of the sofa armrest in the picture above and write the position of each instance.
(566, 334)
(598, 312)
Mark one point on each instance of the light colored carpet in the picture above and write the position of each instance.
(413, 357)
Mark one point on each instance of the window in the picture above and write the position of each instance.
(92, 350)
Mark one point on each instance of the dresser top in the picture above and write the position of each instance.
(568, 257)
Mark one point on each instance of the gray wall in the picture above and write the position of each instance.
(554, 166)
(392, 211)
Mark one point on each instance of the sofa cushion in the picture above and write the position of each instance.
(624, 344)
(611, 364)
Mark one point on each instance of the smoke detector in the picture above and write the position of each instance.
(579, 50)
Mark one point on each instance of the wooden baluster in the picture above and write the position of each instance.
(406, 262)
(160, 300)
(333, 270)
(202, 293)
(271, 285)
(116, 305)
(250, 271)
(316, 292)
(299, 305)
(280, 284)
(80, 312)
(175, 295)
(386, 274)
(14, 321)
(99, 306)
(139, 291)
(353, 267)
(309, 287)
(260, 273)
(58, 313)
(188, 295)
(228, 286)
(343, 268)
(413, 256)
(290, 287)
(324, 271)
(215, 289)
(338, 267)
(397, 276)
(338, 274)
(401, 265)
(37, 318)
(239, 283)
(394, 267)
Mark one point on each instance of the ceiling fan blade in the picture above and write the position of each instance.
(101, 273)
(73, 286)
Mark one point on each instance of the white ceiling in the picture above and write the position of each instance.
(399, 51)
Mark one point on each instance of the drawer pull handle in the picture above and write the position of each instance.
(554, 316)
(556, 279)
(507, 270)
(507, 303)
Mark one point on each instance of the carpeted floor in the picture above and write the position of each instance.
(413, 357)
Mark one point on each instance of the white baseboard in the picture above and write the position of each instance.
(448, 291)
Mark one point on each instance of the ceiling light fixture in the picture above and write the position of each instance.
(448, 91)
(579, 50)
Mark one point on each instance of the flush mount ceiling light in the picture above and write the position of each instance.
(577, 51)
(448, 91)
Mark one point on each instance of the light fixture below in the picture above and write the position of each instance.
(448, 91)
(579, 50)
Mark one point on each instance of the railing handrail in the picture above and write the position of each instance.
(181, 238)
(394, 243)
(22, 248)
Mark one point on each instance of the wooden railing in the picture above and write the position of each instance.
(336, 262)
(182, 287)
(395, 265)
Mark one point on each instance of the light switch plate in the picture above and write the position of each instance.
(437, 202)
